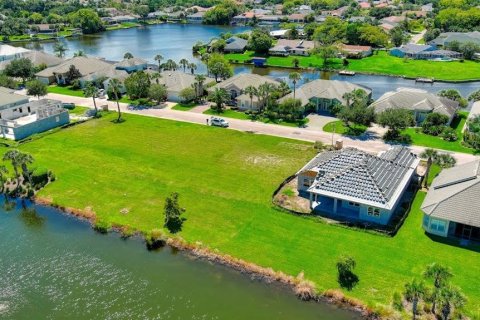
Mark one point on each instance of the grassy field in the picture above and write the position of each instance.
(380, 63)
(225, 179)
(340, 128)
(425, 140)
(65, 90)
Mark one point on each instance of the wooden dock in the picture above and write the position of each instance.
(346, 73)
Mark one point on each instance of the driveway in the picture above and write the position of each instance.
(368, 143)
(317, 121)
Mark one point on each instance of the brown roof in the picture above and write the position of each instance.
(353, 48)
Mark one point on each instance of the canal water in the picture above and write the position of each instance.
(55, 267)
(175, 41)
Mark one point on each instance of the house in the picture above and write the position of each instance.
(20, 118)
(452, 205)
(352, 51)
(354, 185)
(364, 5)
(58, 74)
(236, 87)
(444, 39)
(297, 18)
(235, 44)
(106, 74)
(176, 81)
(324, 94)
(340, 12)
(9, 52)
(196, 17)
(423, 52)
(427, 7)
(37, 58)
(304, 9)
(279, 34)
(420, 102)
(43, 28)
(285, 47)
(132, 64)
(391, 22)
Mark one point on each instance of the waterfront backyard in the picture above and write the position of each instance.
(225, 179)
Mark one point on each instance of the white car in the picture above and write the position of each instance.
(219, 122)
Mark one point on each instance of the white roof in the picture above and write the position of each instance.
(6, 50)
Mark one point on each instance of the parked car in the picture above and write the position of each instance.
(68, 105)
(219, 122)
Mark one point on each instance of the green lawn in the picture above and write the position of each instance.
(340, 128)
(184, 106)
(66, 90)
(225, 179)
(380, 63)
(425, 140)
(78, 111)
(228, 113)
(123, 25)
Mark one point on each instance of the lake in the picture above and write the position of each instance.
(53, 266)
(175, 41)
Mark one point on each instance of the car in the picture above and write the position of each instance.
(219, 122)
(68, 105)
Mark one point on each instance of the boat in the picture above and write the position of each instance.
(346, 73)
(425, 80)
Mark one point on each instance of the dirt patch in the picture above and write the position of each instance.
(295, 146)
(263, 160)
(289, 198)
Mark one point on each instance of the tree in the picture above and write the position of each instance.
(115, 86)
(173, 214)
(72, 74)
(3, 178)
(192, 66)
(159, 59)
(137, 85)
(142, 11)
(199, 80)
(295, 62)
(222, 13)
(328, 35)
(454, 95)
(260, 41)
(91, 91)
(435, 123)
(265, 90)
(87, 20)
(170, 65)
(251, 91)
(414, 291)
(20, 68)
(469, 49)
(36, 88)
(127, 55)
(474, 96)
(219, 66)
(79, 53)
(450, 298)
(395, 119)
(220, 96)
(187, 94)
(397, 35)
(24, 159)
(294, 77)
(346, 278)
(184, 63)
(59, 48)
(291, 108)
(14, 157)
(438, 273)
(430, 155)
(157, 92)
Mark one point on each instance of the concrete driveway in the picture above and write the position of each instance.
(317, 121)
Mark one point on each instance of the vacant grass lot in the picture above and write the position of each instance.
(380, 63)
(225, 179)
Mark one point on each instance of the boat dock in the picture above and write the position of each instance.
(346, 73)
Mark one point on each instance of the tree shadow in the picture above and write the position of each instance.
(348, 280)
(118, 121)
(175, 225)
(30, 217)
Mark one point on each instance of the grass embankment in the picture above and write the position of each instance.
(380, 63)
(436, 142)
(228, 113)
(225, 179)
(123, 25)
(340, 128)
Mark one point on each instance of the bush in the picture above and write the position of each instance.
(400, 138)
(449, 134)
(155, 239)
(101, 226)
(397, 302)
(434, 124)
(76, 85)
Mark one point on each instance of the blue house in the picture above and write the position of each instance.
(411, 50)
(353, 185)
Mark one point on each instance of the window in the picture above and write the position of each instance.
(373, 212)
(57, 119)
(370, 211)
(353, 204)
(20, 110)
(437, 225)
(376, 212)
(425, 221)
(306, 182)
(29, 110)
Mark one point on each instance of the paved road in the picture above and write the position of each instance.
(417, 37)
(370, 143)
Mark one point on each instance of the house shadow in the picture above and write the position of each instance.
(470, 245)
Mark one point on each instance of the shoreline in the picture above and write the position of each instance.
(302, 288)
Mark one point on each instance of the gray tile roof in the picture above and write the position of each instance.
(461, 37)
(327, 89)
(176, 81)
(414, 48)
(7, 97)
(455, 195)
(243, 80)
(235, 43)
(132, 62)
(355, 175)
(415, 100)
(37, 58)
(85, 65)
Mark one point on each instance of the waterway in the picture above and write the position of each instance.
(175, 41)
(53, 266)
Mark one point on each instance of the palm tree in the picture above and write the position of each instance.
(128, 55)
(294, 76)
(431, 155)
(219, 96)
(439, 273)
(265, 90)
(59, 48)
(414, 291)
(3, 177)
(251, 91)
(115, 84)
(184, 63)
(79, 53)
(159, 59)
(156, 76)
(170, 65)
(192, 66)
(14, 156)
(199, 80)
(91, 91)
(295, 62)
(450, 298)
(24, 159)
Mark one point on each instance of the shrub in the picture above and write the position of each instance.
(155, 239)
(101, 226)
(346, 278)
(397, 302)
(76, 85)
(449, 134)
(434, 124)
